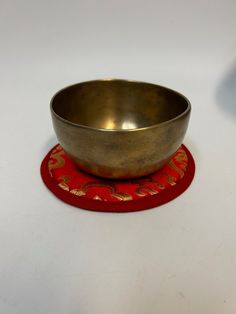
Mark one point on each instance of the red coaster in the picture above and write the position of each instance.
(80, 189)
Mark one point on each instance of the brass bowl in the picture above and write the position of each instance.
(119, 129)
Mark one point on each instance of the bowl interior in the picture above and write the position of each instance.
(118, 104)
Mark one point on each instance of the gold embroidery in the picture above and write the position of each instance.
(181, 156)
(175, 168)
(64, 178)
(159, 184)
(96, 197)
(77, 192)
(60, 161)
(122, 196)
(83, 189)
(88, 185)
(170, 179)
(63, 184)
(143, 191)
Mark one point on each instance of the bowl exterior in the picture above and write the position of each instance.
(121, 154)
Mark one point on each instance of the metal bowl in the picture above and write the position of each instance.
(119, 129)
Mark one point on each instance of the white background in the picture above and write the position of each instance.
(178, 258)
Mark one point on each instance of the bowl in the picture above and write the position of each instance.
(119, 129)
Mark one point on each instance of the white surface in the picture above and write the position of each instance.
(178, 258)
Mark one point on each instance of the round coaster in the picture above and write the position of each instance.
(83, 190)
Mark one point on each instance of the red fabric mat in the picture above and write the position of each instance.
(83, 190)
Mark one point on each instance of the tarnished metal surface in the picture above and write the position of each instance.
(120, 129)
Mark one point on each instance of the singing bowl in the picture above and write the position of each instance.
(119, 129)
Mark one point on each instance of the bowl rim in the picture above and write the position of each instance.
(185, 112)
